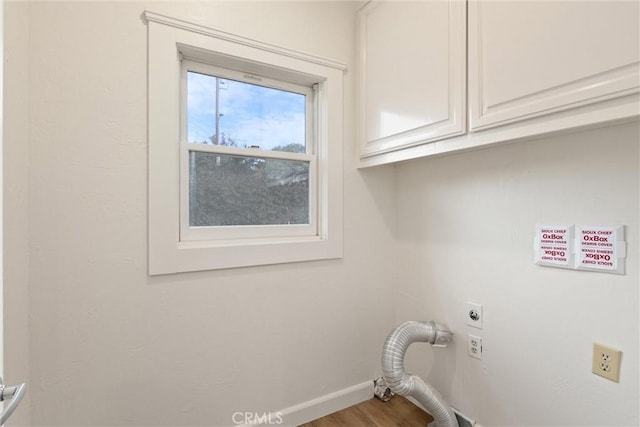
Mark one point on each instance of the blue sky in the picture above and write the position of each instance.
(250, 114)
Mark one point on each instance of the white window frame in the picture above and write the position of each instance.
(189, 233)
(170, 40)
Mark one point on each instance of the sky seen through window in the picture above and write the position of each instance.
(249, 115)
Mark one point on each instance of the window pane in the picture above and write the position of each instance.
(248, 115)
(236, 190)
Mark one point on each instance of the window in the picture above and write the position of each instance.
(247, 154)
(245, 151)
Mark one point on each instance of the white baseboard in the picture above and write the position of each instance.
(319, 407)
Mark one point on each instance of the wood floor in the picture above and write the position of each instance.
(398, 412)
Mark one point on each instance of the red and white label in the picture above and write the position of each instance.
(553, 245)
(597, 248)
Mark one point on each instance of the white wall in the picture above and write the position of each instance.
(465, 230)
(108, 345)
(16, 201)
(112, 346)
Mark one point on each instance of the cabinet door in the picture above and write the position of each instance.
(412, 73)
(531, 58)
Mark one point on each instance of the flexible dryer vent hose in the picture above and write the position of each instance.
(406, 384)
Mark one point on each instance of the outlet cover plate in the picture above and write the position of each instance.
(473, 316)
(606, 362)
(475, 346)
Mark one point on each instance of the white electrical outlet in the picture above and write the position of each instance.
(475, 346)
(474, 315)
(606, 362)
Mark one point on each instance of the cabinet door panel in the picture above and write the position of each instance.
(532, 58)
(412, 73)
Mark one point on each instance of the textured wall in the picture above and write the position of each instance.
(111, 346)
(16, 201)
(465, 231)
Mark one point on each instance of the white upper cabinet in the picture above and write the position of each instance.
(532, 58)
(432, 81)
(412, 73)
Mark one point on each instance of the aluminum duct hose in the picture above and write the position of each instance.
(407, 384)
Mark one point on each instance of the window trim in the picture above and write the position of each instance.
(170, 40)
